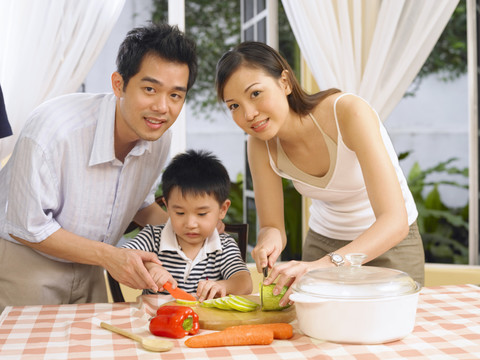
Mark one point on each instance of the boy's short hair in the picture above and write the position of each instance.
(196, 173)
(163, 40)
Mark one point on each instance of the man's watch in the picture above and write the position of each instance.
(337, 259)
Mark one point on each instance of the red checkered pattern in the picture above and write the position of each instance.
(447, 327)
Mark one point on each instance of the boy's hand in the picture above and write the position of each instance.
(209, 289)
(160, 275)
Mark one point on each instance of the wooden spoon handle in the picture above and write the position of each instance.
(121, 331)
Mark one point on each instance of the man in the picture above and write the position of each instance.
(5, 129)
(83, 167)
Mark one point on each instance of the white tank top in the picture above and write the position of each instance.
(340, 206)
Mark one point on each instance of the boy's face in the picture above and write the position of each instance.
(194, 218)
(151, 101)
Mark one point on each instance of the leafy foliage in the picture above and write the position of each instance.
(448, 59)
(444, 229)
(235, 212)
(293, 222)
(215, 26)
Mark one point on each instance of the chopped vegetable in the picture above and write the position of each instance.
(208, 303)
(236, 337)
(174, 322)
(270, 301)
(281, 331)
(221, 303)
(186, 302)
(231, 302)
(239, 306)
(243, 300)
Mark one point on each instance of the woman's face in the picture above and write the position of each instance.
(257, 101)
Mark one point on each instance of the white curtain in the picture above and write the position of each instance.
(46, 50)
(373, 48)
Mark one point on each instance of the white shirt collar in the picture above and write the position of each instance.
(169, 241)
(103, 149)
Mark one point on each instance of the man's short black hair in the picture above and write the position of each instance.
(163, 40)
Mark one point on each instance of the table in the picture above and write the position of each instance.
(447, 327)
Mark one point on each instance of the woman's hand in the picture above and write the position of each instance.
(287, 274)
(268, 248)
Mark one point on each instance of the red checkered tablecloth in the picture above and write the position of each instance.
(447, 327)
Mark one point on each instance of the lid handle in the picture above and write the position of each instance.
(356, 259)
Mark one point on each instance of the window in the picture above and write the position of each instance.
(259, 23)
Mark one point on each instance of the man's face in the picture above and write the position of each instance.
(151, 101)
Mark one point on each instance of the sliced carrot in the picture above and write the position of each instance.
(281, 331)
(178, 293)
(237, 337)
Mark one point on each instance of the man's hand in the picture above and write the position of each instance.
(127, 267)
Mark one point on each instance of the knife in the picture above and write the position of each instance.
(178, 293)
(265, 275)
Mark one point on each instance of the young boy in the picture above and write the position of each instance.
(195, 189)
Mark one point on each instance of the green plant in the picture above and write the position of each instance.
(235, 212)
(216, 28)
(444, 229)
(293, 221)
(448, 59)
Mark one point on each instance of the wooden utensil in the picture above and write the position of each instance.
(157, 345)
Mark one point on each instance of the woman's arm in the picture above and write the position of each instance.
(268, 190)
(361, 133)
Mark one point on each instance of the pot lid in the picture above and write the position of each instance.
(356, 281)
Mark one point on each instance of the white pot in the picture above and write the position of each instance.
(356, 305)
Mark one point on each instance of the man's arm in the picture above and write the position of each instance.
(125, 265)
(152, 214)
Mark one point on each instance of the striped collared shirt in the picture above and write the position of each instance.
(218, 259)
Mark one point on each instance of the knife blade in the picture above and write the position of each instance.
(178, 293)
(265, 275)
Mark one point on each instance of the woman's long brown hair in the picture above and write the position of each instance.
(258, 55)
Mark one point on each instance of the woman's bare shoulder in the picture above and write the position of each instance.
(351, 104)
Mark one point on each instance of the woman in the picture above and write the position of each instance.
(334, 148)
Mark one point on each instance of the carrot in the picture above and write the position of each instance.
(281, 331)
(251, 336)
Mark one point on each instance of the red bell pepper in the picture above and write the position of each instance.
(174, 322)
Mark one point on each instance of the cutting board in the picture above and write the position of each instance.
(217, 319)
